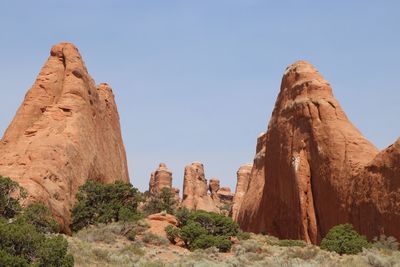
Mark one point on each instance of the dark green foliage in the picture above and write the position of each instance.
(172, 233)
(21, 242)
(104, 203)
(207, 241)
(10, 195)
(9, 260)
(162, 201)
(54, 252)
(215, 224)
(201, 230)
(183, 216)
(343, 239)
(131, 235)
(40, 216)
(291, 243)
(191, 231)
(223, 243)
(23, 232)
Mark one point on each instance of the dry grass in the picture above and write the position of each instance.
(104, 245)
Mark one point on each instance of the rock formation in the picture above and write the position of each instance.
(221, 196)
(214, 186)
(225, 195)
(195, 190)
(65, 132)
(176, 194)
(302, 183)
(375, 197)
(242, 184)
(161, 178)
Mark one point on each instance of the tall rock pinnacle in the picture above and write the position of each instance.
(65, 132)
(312, 151)
(195, 190)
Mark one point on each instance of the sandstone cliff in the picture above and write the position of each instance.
(65, 132)
(301, 187)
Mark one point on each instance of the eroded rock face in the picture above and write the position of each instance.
(161, 178)
(242, 185)
(65, 132)
(375, 207)
(225, 195)
(195, 190)
(214, 186)
(300, 188)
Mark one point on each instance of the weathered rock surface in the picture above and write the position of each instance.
(225, 195)
(301, 187)
(177, 196)
(65, 132)
(213, 187)
(161, 178)
(242, 185)
(158, 222)
(375, 197)
(195, 190)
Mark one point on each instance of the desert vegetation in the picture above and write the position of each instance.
(28, 236)
(111, 229)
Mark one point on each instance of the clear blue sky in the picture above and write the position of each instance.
(197, 80)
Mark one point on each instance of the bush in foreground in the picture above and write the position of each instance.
(343, 239)
(202, 230)
(162, 201)
(104, 203)
(10, 195)
(22, 243)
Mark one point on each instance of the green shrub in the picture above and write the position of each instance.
(223, 244)
(9, 260)
(291, 243)
(215, 224)
(10, 195)
(343, 239)
(22, 242)
(162, 201)
(201, 230)
(40, 216)
(54, 252)
(104, 203)
(131, 235)
(183, 216)
(172, 233)
(191, 231)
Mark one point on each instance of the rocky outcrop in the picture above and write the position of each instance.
(65, 132)
(225, 195)
(177, 197)
(255, 188)
(242, 184)
(195, 190)
(301, 185)
(161, 178)
(158, 222)
(214, 186)
(375, 198)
